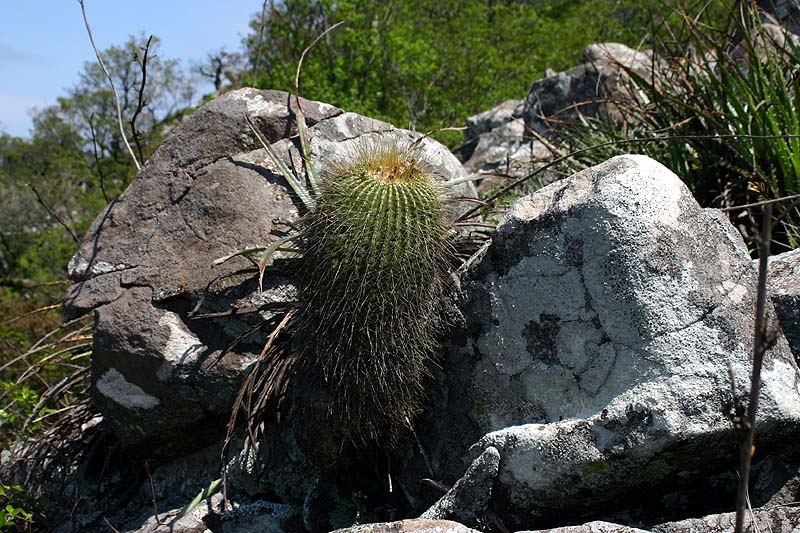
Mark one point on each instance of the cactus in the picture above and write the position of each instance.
(375, 248)
(375, 257)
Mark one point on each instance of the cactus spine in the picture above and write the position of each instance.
(375, 257)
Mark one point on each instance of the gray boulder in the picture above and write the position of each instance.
(783, 284)
(785, 12)
(599, 326)
(497, 143)
(773, 520)
(410, 526)
(591, 527)
(591, 88)
(468, 501)
(494, 118)
(174, 334)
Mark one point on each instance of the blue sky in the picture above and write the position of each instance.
(43, 43)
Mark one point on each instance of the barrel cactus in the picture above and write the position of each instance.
(375, 257)
(374, 252)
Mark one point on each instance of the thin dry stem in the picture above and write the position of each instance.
(111, 82)
(761, 344)
(61, 220)
(141, 103)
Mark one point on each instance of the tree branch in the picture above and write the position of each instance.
(55, 215)
(141, 103)
(97, 159)
(113, 86)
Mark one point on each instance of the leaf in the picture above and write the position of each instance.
(212, 488)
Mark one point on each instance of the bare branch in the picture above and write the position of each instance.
(55, 215)
(97, 159)
(491, 199)
(303, 55)
(761, 344)
(141, 103)
(260, 40)
(111, 82)
(305, 145)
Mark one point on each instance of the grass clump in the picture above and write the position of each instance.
(722, 111)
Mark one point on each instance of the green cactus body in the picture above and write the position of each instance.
(374, 267)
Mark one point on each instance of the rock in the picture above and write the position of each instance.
(786, 12)
(589, 89)
(494, 118)
(783, 287)
(496, 142)
(774, 520)
(410, 526)
(271, 518)
(591, 527)
(173, 333)
(468, 500)
(599, 326)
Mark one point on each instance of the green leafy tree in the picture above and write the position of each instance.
(76, 159)
(428, 65)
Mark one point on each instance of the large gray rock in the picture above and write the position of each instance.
(773, 520)
(599, 326)
(591, 88)
(785, 12)
(410, 526)
(173, 333)
(591, 527)
(496, 142)
(783, 284)
(468, 501)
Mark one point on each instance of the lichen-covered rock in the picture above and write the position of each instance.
(774, 520)
(468, 500)
(591, 88)
(410, 526)
(174, 333)
(599, 327)
(783, 284)
(591, 527)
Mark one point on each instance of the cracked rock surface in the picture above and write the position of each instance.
(599, 326)
(146, 263)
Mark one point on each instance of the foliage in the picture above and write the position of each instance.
(427, 65)
(76, 159)
(729, 79)
(13, 516)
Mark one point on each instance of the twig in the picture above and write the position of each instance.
(152, 491)
(760, 345)
(111, 82)
(97, 159)
(475, 210)
(52, 392)
(305, 51)
(141, 103)
(115, 530)
(759, 204)
(305, 145)
(23, 283)
(260, 41)
(246, 387)
(55, 215)
(474, 224)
